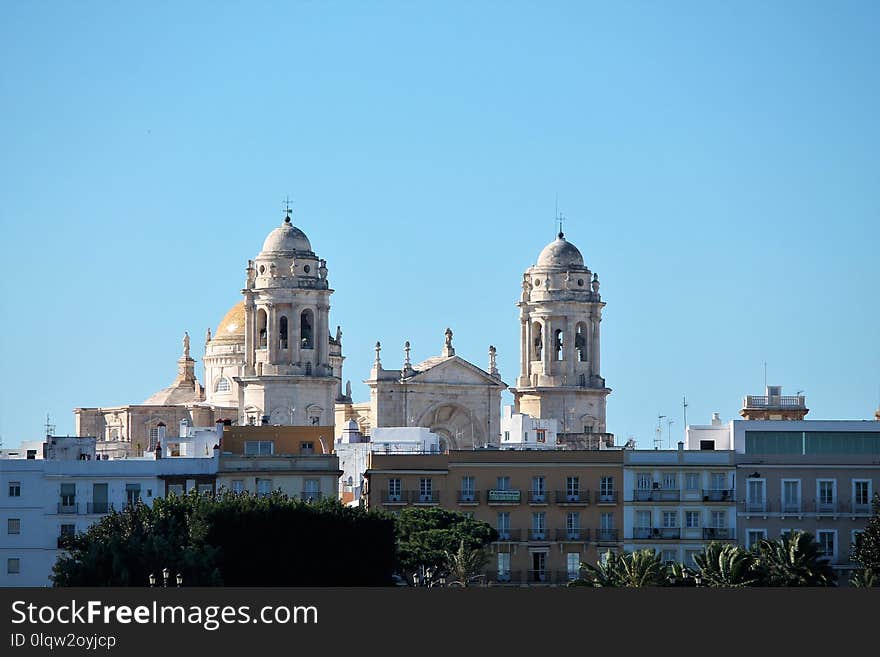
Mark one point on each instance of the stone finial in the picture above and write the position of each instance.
(448, 349)
(338, 334)
(493, 366)
(185, 344)
(595, 283)
(407, 365)
(348, 388)
(378, 349)
(208, 336)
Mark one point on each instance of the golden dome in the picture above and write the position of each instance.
(231, 327)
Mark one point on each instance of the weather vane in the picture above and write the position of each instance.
(287, 206)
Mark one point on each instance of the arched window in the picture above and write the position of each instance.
(222, 385)
(262, 321)
(580, 342)
(282, 332)
(558, 344)
(306, 323)
(537, 340)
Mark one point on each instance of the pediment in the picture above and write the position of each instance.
(454, 370)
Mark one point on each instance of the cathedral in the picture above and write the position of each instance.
(274, 361)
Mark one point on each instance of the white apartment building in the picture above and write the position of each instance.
(677, 501)
(522, 431)
(42, 500)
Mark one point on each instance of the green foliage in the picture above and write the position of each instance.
(626, 570)
(864, 578)
(233, 540)
(465, 565)
(426, 535)
(727, 566)
(793, 560)
(866, 549)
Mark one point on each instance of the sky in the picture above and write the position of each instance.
(718, 163)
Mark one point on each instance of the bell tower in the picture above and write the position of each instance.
(560, 346)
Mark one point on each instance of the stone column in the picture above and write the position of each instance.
(272, 332)
(548, 346)
(321, 333)
(294, 334)
(525, 355)
(570, 352)
(249, 334)
(594, 345)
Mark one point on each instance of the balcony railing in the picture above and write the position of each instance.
(657, 495)
(72, 507)
(538, 535)
(503, 496)
(395, 498)
(310, 496)
(539, 576)
(509, 535)
(656, 533)
(756, 506)
(573, 497)
(719, 495)
(608, 497)
(505, 577)
(574, 534)
(424, 497)
(536, 497)
(791, 508)
(606, 535)
(565, 576)
(774, 401)
(718, 533)
(860, 508)
(468, 497)
(98, 507)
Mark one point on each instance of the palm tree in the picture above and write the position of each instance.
(863, 578)
(465, 565)
(793, 560)
(604, 574)
(727, 566)
(629, 570)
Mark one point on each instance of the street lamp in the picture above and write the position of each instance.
(179, 580)
(165, 574)
(152, 580)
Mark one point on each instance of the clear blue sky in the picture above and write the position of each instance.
(719, 162)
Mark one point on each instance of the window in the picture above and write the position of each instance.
(826, 495)
(504, 566)
(541, 435)
(282, 332)
(222, 385)
(312, 489)
(13, 566)
(67, 531)
(670, 519)
(669, 556)
(643, 481)
(755, 536)
(606, 489)
(394, 490)
(690, 558)
(174, 489)
(14, 489)
(307, 448)
(205, 489)
(692, 519)
(502, 483)
(669, 481)
(572, 489)
(719, 519)
(259, 447)
(791, 495)
(692, 481)
(426, 490)
(13, 525)
(826, 540)
(506, 435)
(68, 498)
(132, 494)
(755, 499)
(580, 342)
(264, 487)
(719, 481)
(643, 519)
(538, 489)
(100, 501)
(573, 525)
(854, 536)
(573, 564)
(539, 526)
(154, 438)
(537, 340)
(707, 445)
(237, 486)
(262, 321)
(503, 525)
(306, 322)
(861, 495)
(467, 489)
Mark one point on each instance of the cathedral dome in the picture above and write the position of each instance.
(287, 238)
(231, 327)
(561, 254)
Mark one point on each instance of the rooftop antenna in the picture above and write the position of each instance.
(50, 428)
(669, 424)
(658, 439)
(684, 408)
(765, 375)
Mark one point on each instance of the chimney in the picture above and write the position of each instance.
(680, 446)
(716, 419)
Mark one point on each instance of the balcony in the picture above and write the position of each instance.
(400, 497)
(98, 508)
(538, 577)
(657, 495)
(861, 508)
(791, 508)
(468, 497)
(756, 506)
(509, 535)
(70, 507)
(310, 496)
(775, 401)
(563, 577)
(574, 534)
(505, 577)
(608, 497)
(498, 496)
(539, 535)
(606, 535)
(826, 507)
(656, 533)
(62, 541)
(573, 497)
(718, 534)
(536, 497)
(424, 497)
(719, 495)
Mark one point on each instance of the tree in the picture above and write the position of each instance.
(793, 560)
(626, 570)
(727, 566)
(864, 578)
(465, 566)
(426, 535)
(866, 549)
(233, 540)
